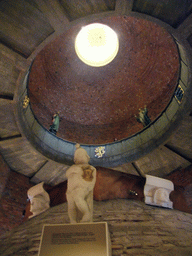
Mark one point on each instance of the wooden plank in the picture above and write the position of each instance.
(161, 162)
(77, 9)
(21, 156)
(185, 29)
(54, 13)
(8, 124)
(22, 26)
(126, 168)
(10, 65)
(123, 6)
(52, 173)
(171, 12)
(181, 141)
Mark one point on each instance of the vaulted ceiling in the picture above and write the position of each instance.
(27, 32)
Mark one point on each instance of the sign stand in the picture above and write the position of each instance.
(75, 239)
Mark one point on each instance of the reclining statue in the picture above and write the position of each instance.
(81, 181)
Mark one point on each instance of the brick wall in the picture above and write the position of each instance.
(14, 186)
(135, 229)
(13, 197)
(182, 180)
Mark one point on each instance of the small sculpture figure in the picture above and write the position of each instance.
(39, 199)
(81, 181)
(26, 102)
(157, 191)
(143, 117)
(54, 127)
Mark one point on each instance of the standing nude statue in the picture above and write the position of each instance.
(81, 181)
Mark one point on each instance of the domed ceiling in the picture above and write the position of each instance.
(101, 105)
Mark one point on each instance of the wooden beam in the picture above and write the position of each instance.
(185, 29)
(6, 97)
(52, 173)
(10, 137)
(54, 12)
(43, 164)
(123, 6)
(160, 162)
(138, 170)
(21, 156)
(178, 152)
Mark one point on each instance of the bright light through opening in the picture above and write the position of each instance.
(96, 44)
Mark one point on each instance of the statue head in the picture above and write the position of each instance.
(80, 155)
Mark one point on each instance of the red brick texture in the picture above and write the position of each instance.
(99, 105)
(13, 197)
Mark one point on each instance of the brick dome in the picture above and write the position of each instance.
(99, 105)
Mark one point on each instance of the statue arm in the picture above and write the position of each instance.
(94, 173)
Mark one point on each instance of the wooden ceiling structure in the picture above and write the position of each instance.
(25, 27)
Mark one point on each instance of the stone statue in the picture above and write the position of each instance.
(39, 199)
(157, 191)
(143, 117)
(54, 127)
(81, 181)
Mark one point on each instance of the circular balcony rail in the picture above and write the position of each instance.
(119, 152)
